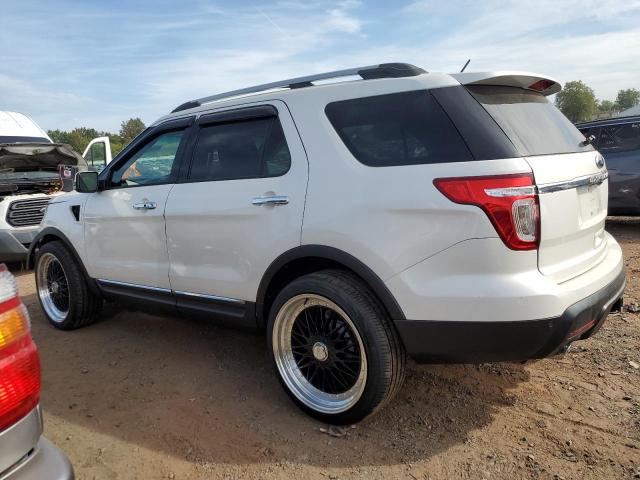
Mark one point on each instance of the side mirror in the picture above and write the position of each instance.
(87, 182)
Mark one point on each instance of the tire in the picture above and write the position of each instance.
(334, 348)
(62, 288)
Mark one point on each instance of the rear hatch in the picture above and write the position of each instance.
(570, 174)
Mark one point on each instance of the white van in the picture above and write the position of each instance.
(29, 178)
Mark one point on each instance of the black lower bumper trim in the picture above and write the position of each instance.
(433, 341)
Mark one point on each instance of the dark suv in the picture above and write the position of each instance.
(618, 140)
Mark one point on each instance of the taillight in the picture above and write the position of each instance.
(19, 362)
(510, 202)
(541, 85)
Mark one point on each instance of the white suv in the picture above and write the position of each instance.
(353, 216)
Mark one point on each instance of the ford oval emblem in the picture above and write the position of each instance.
(599, 161)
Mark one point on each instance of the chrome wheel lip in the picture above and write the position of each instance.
(287, 366)
(44, 293)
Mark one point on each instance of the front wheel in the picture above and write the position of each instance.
(62, 288)
(334, 348)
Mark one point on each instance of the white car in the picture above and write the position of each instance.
(29, 178)
(353, 216)
(98, 153)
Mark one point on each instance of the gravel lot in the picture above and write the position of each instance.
(137, 396)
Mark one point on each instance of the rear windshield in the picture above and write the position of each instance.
(532, 123)
(408, 128)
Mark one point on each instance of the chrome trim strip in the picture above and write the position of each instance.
(203, 296)
(216, 298)
(511, 191)
(134, 285)
(595, 179)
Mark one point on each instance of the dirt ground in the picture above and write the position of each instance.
(143, 397)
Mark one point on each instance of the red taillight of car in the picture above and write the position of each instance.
(541, 85)
(510, 202)
(19, 361)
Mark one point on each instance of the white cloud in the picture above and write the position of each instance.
(340, 21)
(96, 66)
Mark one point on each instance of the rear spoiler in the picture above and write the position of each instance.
(529, 81)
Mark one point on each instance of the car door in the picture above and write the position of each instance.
(124, 222)
(620, 145)
(239, 206)
(98, 153)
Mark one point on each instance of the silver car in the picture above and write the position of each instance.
(24, 453)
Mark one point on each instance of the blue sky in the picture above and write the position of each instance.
(71, 63)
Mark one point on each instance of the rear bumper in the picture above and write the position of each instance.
(429, 341)
(45, 462)
(14, 244)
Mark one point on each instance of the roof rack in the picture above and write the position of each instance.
(384, 70)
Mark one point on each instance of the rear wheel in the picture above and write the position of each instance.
(334, 348)
(62, 288)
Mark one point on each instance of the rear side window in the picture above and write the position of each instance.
(620, 138)
(408, 128)
(246, 149)
(535, 126)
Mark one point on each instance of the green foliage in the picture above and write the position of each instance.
(130, 129)
(606, 106)
(627, 98)
(80, 137)
(577, 101)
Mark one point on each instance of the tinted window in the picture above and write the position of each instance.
(246, 149)
(620, 138)
(151, 165)
(535, 126)
(588, 131)
(400, 129)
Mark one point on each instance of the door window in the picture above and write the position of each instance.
(152, 164)
(620, 138)
(248, 149)
(96, 156)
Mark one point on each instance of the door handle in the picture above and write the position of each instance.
(145, 205)
(270, 200)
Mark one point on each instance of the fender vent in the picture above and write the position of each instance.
(75, 211)
(25, 213)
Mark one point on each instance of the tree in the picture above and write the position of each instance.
(628, 98)
(606, 106)
(129, 129)
(577, 101)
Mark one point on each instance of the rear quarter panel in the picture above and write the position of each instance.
(390, 218)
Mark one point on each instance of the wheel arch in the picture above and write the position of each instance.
(307, 259)
(52, 234)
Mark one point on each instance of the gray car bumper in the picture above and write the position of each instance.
(14, 244)
(45, 462)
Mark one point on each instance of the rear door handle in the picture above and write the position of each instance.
(145, 205)
(270, 200)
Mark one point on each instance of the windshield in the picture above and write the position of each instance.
(532, 123)
(14, 139)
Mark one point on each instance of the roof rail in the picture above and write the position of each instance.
(384, 70)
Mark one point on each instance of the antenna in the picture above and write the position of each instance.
(465, 66)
